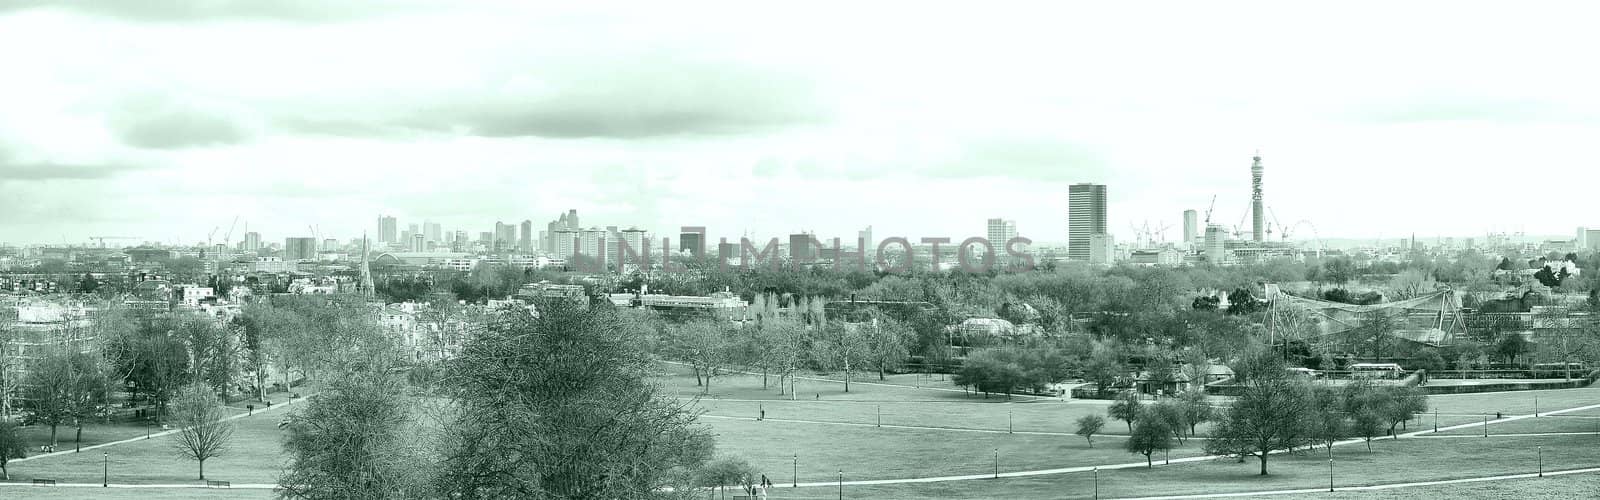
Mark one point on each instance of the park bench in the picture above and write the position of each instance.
(218, 484)
(44, 482)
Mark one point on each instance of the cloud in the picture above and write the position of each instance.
(200, 10)
(15, 169)
(621, 98)
(1043, 159)
(163, 123)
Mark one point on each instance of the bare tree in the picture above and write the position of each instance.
(11, 446)
(203, 433)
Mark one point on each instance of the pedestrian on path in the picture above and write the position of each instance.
(763, 413)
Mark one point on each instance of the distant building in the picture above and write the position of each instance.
(252, 242)
(272, 265)
(388, 229)
(330, 244)
(1086, 217)
(1165, 256)
(1191, 227)
(525, 238)
(723, 306)
(692, 242)
(864, 239)
(1216, 244)
(295, 249)
(999, 232)
(418, 243)
(801, 249)
(194, 295)
(1102, 249)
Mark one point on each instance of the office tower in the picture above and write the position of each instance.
(433, 232)
(544, 241)
(388, 229)
(252, 241)
(460, 240)
(299, 248)
(801, 249)
(505, 236)
(1086, 217)
(1191, 226)
(567, 221)
(525, 238)
(486, 238)
(330, 245)
(1216, 239)
(1257, 217)
(864, 238)
(419, 242)
(413, 229)
(692, 242)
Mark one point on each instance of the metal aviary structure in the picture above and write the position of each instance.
(1433, 318)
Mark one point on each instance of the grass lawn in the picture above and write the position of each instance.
(886, 453)
(1551, 488)
(253, 456)
(48, 493)
(1554, 423)
(1514, 402)
(1390, 462)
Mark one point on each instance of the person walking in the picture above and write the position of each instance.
(765, 483)
(763, 417)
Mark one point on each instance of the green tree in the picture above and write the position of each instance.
(11, 446)
(203, 432)
(354, 440)
(1510, 346)
(1150, 436)
(562, 405)
(1196, 409)
(888, 344)
(840, 347)
(1326, 419)
(1088, 426)
(67, 387)
(1268, 415)
(1102, 369)
(726, 471)
(1126, 408)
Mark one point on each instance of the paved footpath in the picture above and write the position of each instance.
(152, 436)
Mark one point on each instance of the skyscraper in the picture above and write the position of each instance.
(1086, 217)
(299, 248)
(801, 249)
(999, 232)
(505, 236)
(864, 238)
(1191, 227)
(433, 232)
(252, 242)
(388, 229)
(693, 242)
(525, 238)
(1257, 217)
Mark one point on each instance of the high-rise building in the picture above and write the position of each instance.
(999, 232)
(330, 245)
(1086, 217)
(592, 242)
(635, 240)
(505, 236)
(299, 249)
(525, 238)
(567, 221)
(692, 242)
(1216, 241)
(864, 238)
(388, 229)
(1191, 227)
(252, 242)
(460, 242)
(419, 243)
(1257, 213)
(433, 232)
(566, 243)
(801, 249)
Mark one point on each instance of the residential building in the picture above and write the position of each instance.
(295, 249)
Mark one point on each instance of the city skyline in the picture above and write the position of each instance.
(731, 126)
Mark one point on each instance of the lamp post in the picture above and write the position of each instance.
(1097, 483)
(794, 477)
(1541, 461)
(997, 463)
(1330, 474)
(1008, 422)
(1486, 425)
(1535, 405)
(1435, 420)
(880, 416)
(841, 484)
(105, 469)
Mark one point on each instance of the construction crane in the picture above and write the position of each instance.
(1213, 206)
(102, 239)
(1161, 231)
(227, 238)
(1283, 233)
(210, 235)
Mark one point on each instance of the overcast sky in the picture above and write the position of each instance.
(164, 120)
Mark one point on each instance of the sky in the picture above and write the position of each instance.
(165, 120)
